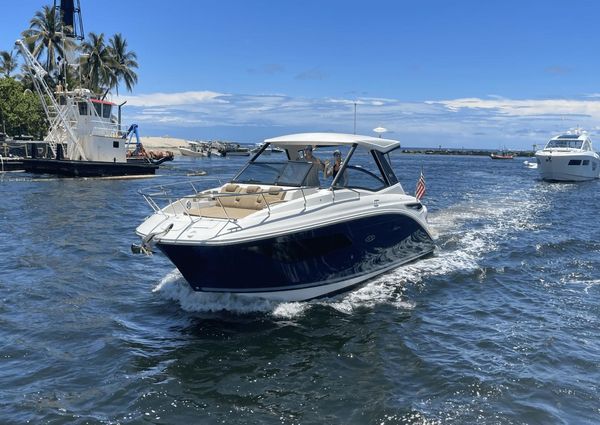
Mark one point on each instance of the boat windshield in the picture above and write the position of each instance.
(290, 173)
(564, 143)
(369, 170)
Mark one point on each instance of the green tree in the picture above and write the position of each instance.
(21, 111)
(8, 62)
(103, 67)
(122, 64)
(95, 63)
(46, 38)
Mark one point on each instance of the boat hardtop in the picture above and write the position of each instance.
(335, 139)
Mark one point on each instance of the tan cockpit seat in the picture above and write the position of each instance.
(229, 190)
(240, 202)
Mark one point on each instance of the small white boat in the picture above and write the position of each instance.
(196, 149)
(568, 157)
(238, 151)
(217, 148)
(268, 149)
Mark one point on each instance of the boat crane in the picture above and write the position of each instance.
(133, 131)
(61, 120)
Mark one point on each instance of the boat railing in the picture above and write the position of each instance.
(178, 198)
(104, 129)
(169, 193)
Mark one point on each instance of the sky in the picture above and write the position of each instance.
(472, 74)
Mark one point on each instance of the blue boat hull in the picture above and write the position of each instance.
(328, 255)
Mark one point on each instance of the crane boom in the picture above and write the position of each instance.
(61, 130)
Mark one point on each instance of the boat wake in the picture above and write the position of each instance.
(465, 233)
(174, 287)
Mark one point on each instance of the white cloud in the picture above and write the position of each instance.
(487, 122)
(173, 99)
(525, 107)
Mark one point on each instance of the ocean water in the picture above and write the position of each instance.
(500, 326)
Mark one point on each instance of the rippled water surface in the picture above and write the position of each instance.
(501, 325)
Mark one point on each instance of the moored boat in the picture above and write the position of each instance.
(279, 230)
(269, 150)
(235, 149)
(196, 149)
(84, 137)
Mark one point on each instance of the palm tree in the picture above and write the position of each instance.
(104, 67)
(8, 62)
(95, 63)
(45, 36)
(123, 63)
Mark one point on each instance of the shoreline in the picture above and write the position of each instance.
(163, 143)
(464, 152)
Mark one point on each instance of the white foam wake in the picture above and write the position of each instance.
(466, 232)
(174, 287)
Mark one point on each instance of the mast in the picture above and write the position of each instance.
(69, 12)
(70, 23)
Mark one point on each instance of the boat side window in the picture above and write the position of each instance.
(365, 172)
(106, 110)
(98, 108)
(575, 162)
(83, 108)
(358, 177)
(385, 167)
(586, 162)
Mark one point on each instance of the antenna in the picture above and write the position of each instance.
(355, 117)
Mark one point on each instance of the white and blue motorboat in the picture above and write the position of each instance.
(276, 232)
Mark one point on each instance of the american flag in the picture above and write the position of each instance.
(420, 190)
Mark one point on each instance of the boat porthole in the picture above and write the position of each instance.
(188, 204)
(370, 238)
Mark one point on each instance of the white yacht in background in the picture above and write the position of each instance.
(568, 157)
(278, 230)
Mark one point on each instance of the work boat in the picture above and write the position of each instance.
(84, 137)
(568, 157)
(292, 228)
